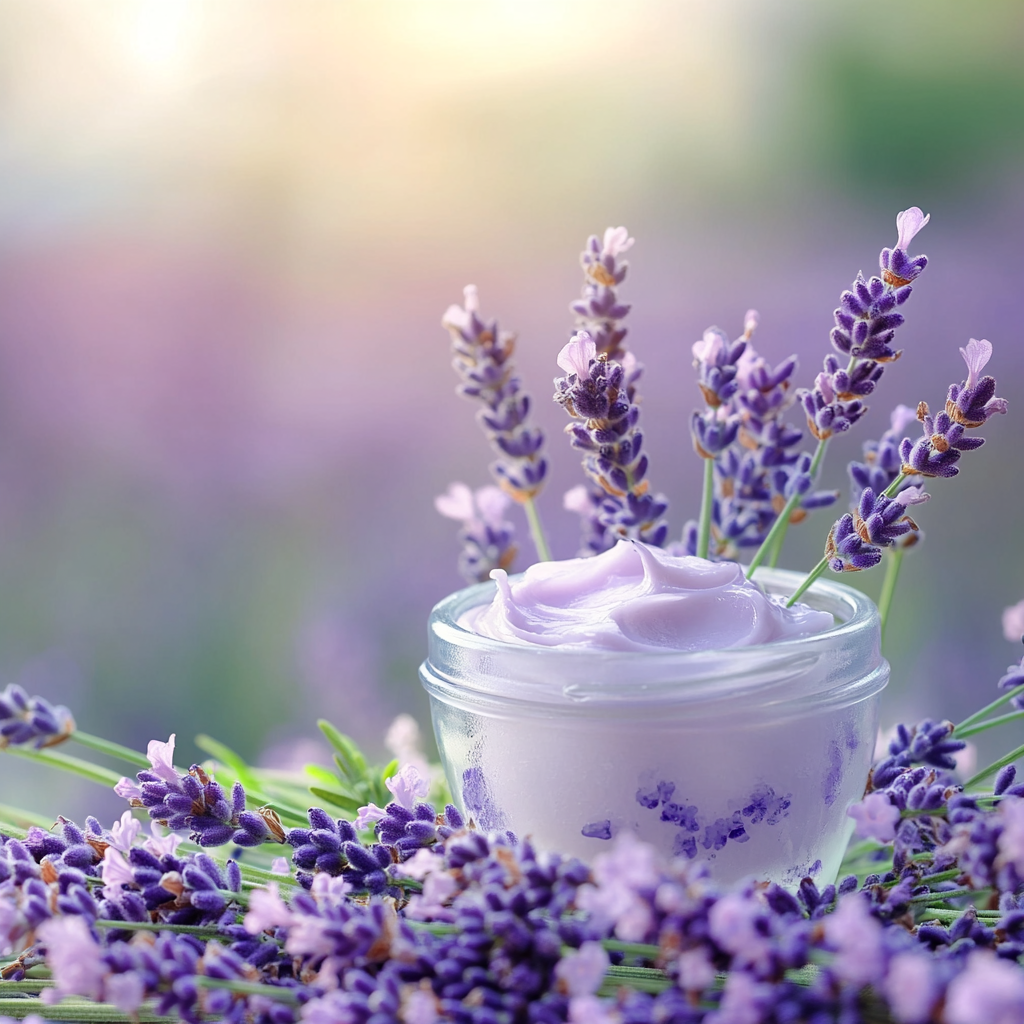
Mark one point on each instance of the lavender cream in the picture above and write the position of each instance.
(665, 696)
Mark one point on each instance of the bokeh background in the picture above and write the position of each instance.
(227, 234)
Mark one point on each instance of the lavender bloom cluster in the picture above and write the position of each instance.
(483, 361)
(866, 324)
(879, 519)
(758, 465)
(605, 428)
(25, 719)
(599, 314)
(488, 538)
(410, 915)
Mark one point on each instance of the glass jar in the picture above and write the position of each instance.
(747, 758)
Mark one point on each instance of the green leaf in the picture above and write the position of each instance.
(348, 756)
(346, 803)
(227, 757)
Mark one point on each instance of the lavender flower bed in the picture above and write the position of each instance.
(234, 904)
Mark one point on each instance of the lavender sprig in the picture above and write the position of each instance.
(604, 427)
(855, 541)
(600, 314)
(488, 538)
(483, 361)
(25, 719)
(866, 322)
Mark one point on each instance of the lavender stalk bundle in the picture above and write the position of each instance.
(409, 914)
(483, 361)
(605, 427)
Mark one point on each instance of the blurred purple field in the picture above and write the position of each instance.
(228, 233)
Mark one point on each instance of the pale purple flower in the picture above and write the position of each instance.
(310, 936)
(823, 383)
(367, 815)
(161, 757)
(696, 971)
(280, 866)
(908, 224)
(577, 355)
(128, 789)
(976, 356)
(911, 988)
(266, 910)
(407, 786)
(876, 817)
(1011, 839)
(581, 973)
(124, 832)
(733, 923)
(1013, 622)
(457, 503)
(630, 861)
(989, 991)
(126, 991)
(160, 844)
(856, 937)
(912, 496)
(744, 1001)
(577, 499)
(458, 317)
(616, 242)
(710, 346)
(419, 1007)
(590, 1010)
(751, 320)
(115, 870)
(74, 958)
(439, 887)
(422, 863)
(900, 417)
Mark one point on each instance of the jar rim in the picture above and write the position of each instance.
(462, 664)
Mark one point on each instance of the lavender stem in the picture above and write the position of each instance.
(110, 748)
(892, 572)
(973, 730)
(540, 541)
(706, 502)
(890, 491)
(811, 577)
(994, 767)
(781, 524)
(988, 708)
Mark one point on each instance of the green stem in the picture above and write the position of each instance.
(32, 987)
(92, 772)
(777, 534)
(942, 914)
(777, 550)
(811, 577)
(969, 721)
(159, 926)
(995, 767)
(76, 1010)
(707, 499)
(941, 897)
(890, 491)
(540, 542)
(248, 988)
(894, 559)
(110, 748)
(1014, 716)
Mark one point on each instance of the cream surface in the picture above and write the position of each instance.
(638, 598)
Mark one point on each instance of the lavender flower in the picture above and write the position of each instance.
(483, 361)
(599, 312)
(25, 719)
(972, 403)
(846, 550)
(882, 462)
(1013, 622)
(487, 536)
(193, 800)
(604, 427)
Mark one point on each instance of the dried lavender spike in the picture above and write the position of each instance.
(604, 427)
(488, 538)
(599, 311)
(483, 361)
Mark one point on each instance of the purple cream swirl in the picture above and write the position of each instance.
(638, 598)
